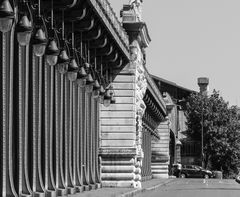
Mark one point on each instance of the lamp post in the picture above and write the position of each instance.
(202, 151)
(203, 85)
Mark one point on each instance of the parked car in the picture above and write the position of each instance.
(193, 171)
(237, 179)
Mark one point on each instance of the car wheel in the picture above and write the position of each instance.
(206, 176)
(238, 179)
(182, 176)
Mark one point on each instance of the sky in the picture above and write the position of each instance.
(194, 38)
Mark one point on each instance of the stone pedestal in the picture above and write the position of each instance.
(120, 168)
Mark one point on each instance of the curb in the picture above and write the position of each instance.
(138, 191)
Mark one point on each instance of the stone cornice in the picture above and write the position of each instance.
(145, 37)
(155, 93)
(134, 26)
(180, 88)
(106, 13)
(139, 28)
(153, 131)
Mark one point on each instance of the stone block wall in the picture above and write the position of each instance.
(119, 164)
(160, 151)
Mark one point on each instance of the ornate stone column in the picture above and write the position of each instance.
(121, 126)
(161, 147)
(160, 151)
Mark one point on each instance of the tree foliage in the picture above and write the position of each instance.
(220, 124)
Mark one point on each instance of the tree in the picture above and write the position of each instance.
(220, 124)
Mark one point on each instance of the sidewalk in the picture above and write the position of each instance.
(125, 192)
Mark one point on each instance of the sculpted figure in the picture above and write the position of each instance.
(137, 7)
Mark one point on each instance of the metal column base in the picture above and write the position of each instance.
(25, 195)
(71, 190)
(61, 192)
(37, 194)
(50, 193)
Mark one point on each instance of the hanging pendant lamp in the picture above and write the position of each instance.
(96, 88)
(107, 98)
(72, 70)
(6, 16)
(63, 61)
(89, 83)
(24, 25)
(39, 39)
(52, 50)
(63, 58)
(39, 42)
(81, 77)
(24, 31)
(73, 66)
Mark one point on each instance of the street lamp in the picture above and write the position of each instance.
(202, 153)
(52, 50)
(6, 16)
(39, 39)
(203, 85)
(24, 26)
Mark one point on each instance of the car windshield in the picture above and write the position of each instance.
(199, 167)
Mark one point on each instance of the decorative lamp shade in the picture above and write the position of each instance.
(113, 99)
(39, 42)
(107, 99)
(63, 61)
(96, 89)
(86, 65)
(72, 70)
(96, 85)
(52, 52)
(24, 30)
(81, 77)
(95, 93)
(102, 90)
(89, 83)
(6, 16)
(178, 143)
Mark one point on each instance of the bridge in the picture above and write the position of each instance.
(79, 110)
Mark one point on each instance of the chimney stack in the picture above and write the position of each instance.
(203, 85)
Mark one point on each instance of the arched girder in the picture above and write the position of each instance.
(155, 109)
(59, 4)
(152, 106)
(105, 51)
(117, 63)
(76, 14)
(85, 25)
(99, 43)
(148, 100)
(93, 34)
(113, 57)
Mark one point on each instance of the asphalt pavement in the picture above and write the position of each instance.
(125, 192)
(196, 188)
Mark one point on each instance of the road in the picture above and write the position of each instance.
(196, 188)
